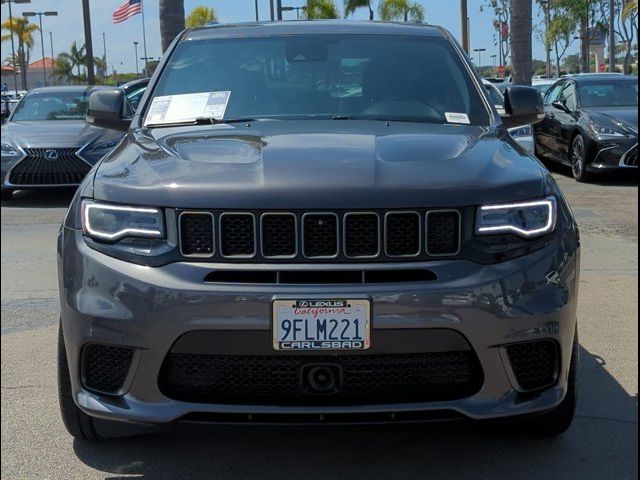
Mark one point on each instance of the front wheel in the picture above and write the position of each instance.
(578, 159)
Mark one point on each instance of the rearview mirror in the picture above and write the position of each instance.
(523, 106)
(106, 110)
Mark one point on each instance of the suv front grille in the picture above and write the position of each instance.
(49, 166)
(278, 380)
(315, 236)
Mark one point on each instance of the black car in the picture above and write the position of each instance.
(591, 124)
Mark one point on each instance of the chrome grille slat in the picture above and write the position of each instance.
(36, 169)
(303, 236)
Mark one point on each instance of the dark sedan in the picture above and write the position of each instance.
(47, 142)
(591, 124)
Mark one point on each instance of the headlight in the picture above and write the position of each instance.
(527, 219)
(110, 223)
(525, 131)
(601, 131)
(9, 151)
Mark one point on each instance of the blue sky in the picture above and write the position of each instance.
(67, 27)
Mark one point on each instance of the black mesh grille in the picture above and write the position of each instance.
(278, 235)
(279, 379)
(362, 235)
(320, 233)
(534, 363)
(403, 234)
(196, 233)
(105, 367)
(237, 235)
(49, 166)
(443, 232)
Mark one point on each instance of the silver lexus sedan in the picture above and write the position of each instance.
(46, 141)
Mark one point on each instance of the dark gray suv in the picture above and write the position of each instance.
(317, 222)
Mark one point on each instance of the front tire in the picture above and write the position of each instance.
(578, 159)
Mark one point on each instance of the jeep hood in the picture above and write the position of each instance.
(317, 164)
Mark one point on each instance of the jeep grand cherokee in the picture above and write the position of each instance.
(317, 222)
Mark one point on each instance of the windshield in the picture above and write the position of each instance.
(495, 96)
(48, 105)
(362, 76)
(613, 93)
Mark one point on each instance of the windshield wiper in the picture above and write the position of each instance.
(202, 121)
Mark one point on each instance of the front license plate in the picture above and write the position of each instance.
(321, 324)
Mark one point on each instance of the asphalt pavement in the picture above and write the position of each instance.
(602, 443)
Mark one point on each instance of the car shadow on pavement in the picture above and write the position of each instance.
(602, 443)
(45, 198)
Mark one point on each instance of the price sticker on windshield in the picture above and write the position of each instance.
(457, 118)
(187, 107)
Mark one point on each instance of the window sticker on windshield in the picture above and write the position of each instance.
(187, 107)
(457, 117)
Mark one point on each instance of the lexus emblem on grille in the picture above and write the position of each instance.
(51, 154)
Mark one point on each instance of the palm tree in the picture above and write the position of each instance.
(23, 31)
(76, 56)
(63, 69)
(394, 10)
(521, 30)
(317, 9)
(200, 16)
(350, 6)
(171, 15)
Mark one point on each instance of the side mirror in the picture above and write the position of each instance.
(106, 110)
(560, 105)
(523, 106)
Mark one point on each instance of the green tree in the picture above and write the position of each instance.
(23, 31)
(171, 14)
(63, 69)
(200, 16)
(520, 37)
(76, 56)
(404, 10)
(318, 9)
(350, 6)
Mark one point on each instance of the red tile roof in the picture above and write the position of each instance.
(46, 61)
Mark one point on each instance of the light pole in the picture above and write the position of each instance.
(546, 7)
(13, 48)
(52, 57)
(494, 57)
(612, 37)
(104, 59)
(135, 46)
(464, 20)
(40, 14)
(297, 9)
(479, 50)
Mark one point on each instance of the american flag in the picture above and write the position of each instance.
(127, 10)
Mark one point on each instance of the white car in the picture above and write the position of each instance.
(523, 135)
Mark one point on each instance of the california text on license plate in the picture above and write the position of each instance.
(321, 324)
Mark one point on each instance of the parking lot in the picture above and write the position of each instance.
(602, 443)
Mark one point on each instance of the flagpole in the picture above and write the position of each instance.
(144, 38)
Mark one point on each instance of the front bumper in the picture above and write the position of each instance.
(615, 155)
(106, 300)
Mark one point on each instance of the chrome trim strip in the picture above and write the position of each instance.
(213, 234)
(623, 159)
(315, 214)
(295, 227)
(426, 230)
(344, 234)
(420, 227)
(255, 242)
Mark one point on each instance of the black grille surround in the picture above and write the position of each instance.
(105, 367)
(630, 158)
(49, 166)
(534, 364)
(348, 236)
(279, 379)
